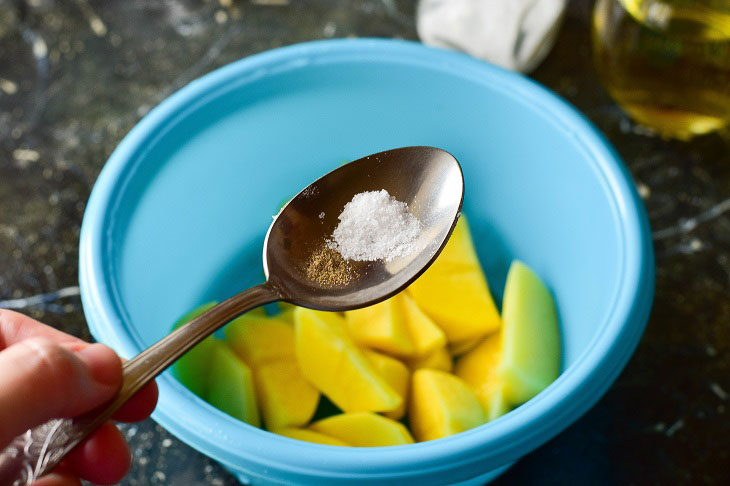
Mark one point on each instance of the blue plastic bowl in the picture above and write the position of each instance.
(178, 215)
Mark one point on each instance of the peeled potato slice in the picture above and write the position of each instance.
(332, 362)
(364, 429)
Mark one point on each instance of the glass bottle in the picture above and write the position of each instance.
(666, 62)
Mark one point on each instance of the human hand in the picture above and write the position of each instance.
(45, 374)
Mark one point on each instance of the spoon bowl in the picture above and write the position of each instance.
(428, 179)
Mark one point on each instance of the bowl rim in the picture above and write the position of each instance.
(490, 445)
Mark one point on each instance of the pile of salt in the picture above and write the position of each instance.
(375, 226)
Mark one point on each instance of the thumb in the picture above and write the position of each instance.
(40, 380)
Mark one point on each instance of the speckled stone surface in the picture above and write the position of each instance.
(75, 76)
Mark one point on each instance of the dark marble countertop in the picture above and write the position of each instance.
(75, 76)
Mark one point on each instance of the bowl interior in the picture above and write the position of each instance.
(195, 186)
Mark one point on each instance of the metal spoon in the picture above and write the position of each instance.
(428, 179)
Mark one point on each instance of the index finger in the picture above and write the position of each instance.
(16, 327)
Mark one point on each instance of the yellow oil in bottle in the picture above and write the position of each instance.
(666, 62)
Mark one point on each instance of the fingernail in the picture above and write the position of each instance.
(103, 364)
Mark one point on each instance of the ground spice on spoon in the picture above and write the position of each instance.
(327, 267)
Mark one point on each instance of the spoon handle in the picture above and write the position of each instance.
(38, 450)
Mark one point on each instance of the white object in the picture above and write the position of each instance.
(375, 226)
(515, 34)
